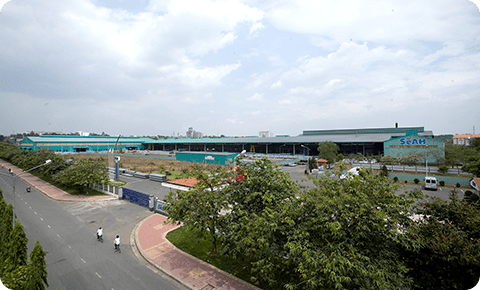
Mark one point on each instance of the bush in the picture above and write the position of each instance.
(457, 185)
(384, 171)
(395, 179)
(443, 168)
(416, 180)
(442, 183)
(406, 181)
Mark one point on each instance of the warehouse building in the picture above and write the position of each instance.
(369, 142)
(426, 147)
(72, 143)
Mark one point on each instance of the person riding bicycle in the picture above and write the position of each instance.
(99, 233)
(117, 242)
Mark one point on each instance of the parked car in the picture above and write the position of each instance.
(430, 183)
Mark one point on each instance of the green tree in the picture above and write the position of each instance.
(312, 163)
(472, 165)
(346, 234)
(7, 227)
(450, 253)
(84, 172)
(253, 230)
(443, 169)
(328, 150)
(388, 160)
(16, 249)
(200, 207)
(37, 269)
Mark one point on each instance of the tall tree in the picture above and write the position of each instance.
(472, 164)
(345, 235)
(328, 150)
(252, 229)
(37, 269)
(7, 225)
(450, 253)
(84, 172)
(200, 207)
(16, 249)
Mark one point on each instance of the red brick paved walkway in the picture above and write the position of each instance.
(48, 189)
(192, 272)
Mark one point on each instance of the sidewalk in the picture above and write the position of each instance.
(149, 238)
(48, 189)
(188, 270)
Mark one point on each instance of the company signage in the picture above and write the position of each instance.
(412, 141)
(209, 157)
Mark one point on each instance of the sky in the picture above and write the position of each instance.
(233, 67)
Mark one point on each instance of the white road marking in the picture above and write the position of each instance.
(58, 235)
(83, 260)
(41, 219)
(98, 275)
(69, 246)
(49, 226)
(35, 212)
(30, 207)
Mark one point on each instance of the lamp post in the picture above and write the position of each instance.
(308, 154)
(426, 162)
(15, 178)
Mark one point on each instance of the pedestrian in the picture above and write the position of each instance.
(117, 242)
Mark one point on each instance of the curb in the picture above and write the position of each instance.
(144, 255)
(166, 271)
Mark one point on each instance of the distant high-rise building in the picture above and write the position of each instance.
(265, 134)
(190, 132)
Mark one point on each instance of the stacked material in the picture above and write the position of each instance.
(128, 172)
(158, 177)
(141, 175)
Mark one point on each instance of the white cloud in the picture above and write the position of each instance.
(256, 26)
(255, 98)
(276, 85)
(288, 65)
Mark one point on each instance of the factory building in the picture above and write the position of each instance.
(73, 143)
(426, 147)
(369, 142)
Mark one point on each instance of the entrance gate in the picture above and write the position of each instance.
(136, 197)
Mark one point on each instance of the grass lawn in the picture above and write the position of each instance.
(190, 242)
(72, 191)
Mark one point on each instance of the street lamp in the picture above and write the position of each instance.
(45, 163)
(426, 162)
(308, 154)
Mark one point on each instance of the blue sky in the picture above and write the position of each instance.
(238, 67)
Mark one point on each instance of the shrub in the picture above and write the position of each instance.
(457, 185)
(442, 183)
(443, 168)
(395, 179)
(416, 180)
(406, 181)
(384, 171)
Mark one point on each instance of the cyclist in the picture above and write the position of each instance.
(99, 233)
(117, 242)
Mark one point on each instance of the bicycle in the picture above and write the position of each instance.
(100, 238)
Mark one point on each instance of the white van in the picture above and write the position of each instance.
(430, 183)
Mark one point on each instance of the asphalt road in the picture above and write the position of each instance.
(75, 259)
(297, 174)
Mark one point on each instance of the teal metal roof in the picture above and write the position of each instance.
(363, 131)
(83, 139)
